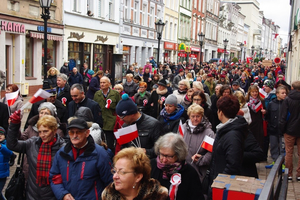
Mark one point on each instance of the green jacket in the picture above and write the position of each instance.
(210, 87)
(108, 115)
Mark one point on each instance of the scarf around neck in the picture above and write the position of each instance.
(44, 162)
(168, 169)
(254, 103)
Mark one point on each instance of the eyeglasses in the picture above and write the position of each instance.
(197, 99)
(122, 117)
(166, 156)
(120, 172)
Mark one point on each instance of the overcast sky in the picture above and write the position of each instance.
(279, 12)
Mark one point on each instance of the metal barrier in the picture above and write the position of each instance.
(277, 182)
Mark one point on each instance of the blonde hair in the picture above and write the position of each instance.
(195, 108)
(129, 75)
(48, 121)
(185, 82)
(198, 85)
(140, 162)
(240, 96)
(52, 68)
(119, 86)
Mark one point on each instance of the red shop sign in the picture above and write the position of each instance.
(169, 45)
(195, 49)
(182, 55)
(193, 55)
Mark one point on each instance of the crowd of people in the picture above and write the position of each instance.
(72, 153)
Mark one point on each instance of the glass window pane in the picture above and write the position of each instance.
(28, 58)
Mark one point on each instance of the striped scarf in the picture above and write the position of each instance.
(44, 162)
(168, 169)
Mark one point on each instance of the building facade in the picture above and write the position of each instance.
(22, 39)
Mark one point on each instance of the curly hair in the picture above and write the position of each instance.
(48, 121)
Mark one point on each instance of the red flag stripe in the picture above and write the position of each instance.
(207, 146)
(128, 137)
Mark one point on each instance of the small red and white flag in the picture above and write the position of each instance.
(208, 143)
(258, 107)
(275, 36)
(127, 134)
(180, 129)
(262, 93)
(254, 55)
(39, 95)
(11, 97)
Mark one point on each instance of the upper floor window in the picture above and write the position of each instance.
(111, 9)
(126, 9)
(151, 25)
(136, 12)
(144, 15)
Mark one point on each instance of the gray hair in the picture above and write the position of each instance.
(198, 85)
(106, 78)
(62, 76)
(174, 142)
(49, 106)
(185, 82)
(78, 87)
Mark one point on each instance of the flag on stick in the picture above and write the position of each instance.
(127, 134)
(262, 93)
(180, 130)
(11, 97)
(208, 143)
(39, 95)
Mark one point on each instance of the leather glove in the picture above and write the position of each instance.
(15, 118)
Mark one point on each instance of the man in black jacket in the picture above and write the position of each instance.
(79, 100)
(63, 90)
(149, 128)
(289, 124)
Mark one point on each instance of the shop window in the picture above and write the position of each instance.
(74, 54)
(98, 57)
(51, 55)
(29, 57)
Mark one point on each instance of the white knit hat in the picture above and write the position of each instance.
(95, 132)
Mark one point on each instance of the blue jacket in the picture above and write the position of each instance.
(84, 178)
(93, 87)
(75, 79)
(5, 154)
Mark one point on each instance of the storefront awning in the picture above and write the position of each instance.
(49, 36)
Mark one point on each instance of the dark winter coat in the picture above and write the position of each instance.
(171, 124)
(289, 121)
(272, 116)
(155, 96)
(84, 178)
(4, 116)
(252, 155)
(31, 148)
(207, 112)
(64, 96)
(91, 104)
(64, 70)
(75, 78)
(93, 87)
(140, 102)
(228, 148)
(190, 186)
(149, 130)
(50, 82)
(130, 89)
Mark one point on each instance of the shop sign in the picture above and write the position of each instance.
(169, 46)
(193, 55)
(101, 38)
(41, 29)
(182, 47)
(76, 35)
(49, 36)
(220, 50)
(182, 55)
(12, 27)
(195, 49)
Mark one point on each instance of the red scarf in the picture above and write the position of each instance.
(44, 162)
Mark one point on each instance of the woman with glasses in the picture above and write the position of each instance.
(131, 175)
(199, 98)
(172, 171)
(141, 98)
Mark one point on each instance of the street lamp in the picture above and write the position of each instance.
(252, 51)
(45, 5)
(159, 26)
(225, 45)
(201, 39)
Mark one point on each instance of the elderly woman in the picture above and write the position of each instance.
(142, 97)
(195, 129)
(131, 175)
(40, 152)
(130, 87)
(119, 88)
(45, 108)
(170, 165)
(198, 86)
(228, 146)
(183, 87)
(200, 99)
(171, 115)
(19, 101)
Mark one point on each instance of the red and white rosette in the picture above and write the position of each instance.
(108, 102)
(163, 98)
(64, 101)
(145, 101)
(175, 182)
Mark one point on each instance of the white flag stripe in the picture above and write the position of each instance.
(42, 93)
(127, 130)
(12, 95)
(208, 140)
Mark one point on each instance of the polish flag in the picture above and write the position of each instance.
(180, 129)
(39, 95)
(245, 42)
(11, 97)
(208, 143)
(258, 107)
(254, 55)
(127, 134)
(275, 36)
(262, 93)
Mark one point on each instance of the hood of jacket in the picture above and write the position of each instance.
(294, 95)
(237, 124)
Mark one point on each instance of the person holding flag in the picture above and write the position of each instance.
(148, 128)
(13, 98)
(196, 128)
